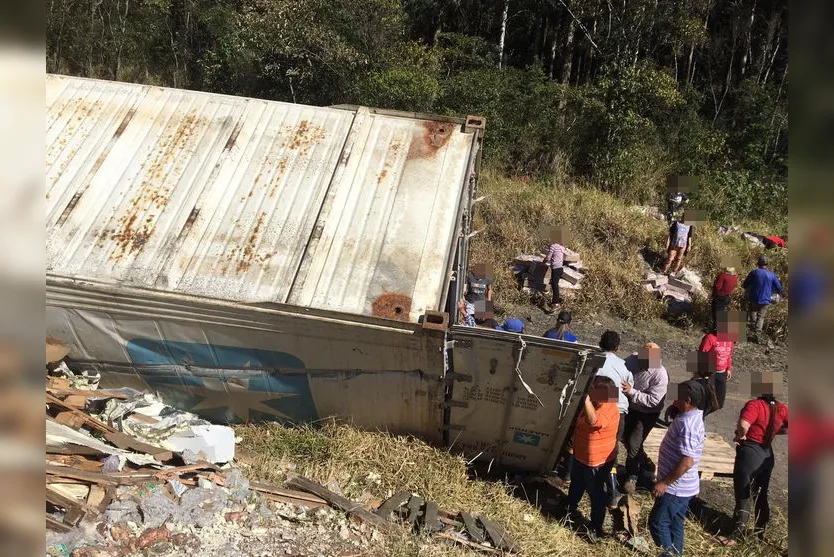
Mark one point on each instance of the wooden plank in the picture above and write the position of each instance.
(69, 419)
(286, 493)
(415, 506)
(717, 459)
(75, 508)
(96, 496)
(84, 394)
(76, 401)
(293, 501)
(75, 461)
(467, 543)
(88, 420)
(57, 383)
(128, 443)
(351, 507)
(499, 537)
(56, 525)
(475, 532)
(392, 503)
(430, 519)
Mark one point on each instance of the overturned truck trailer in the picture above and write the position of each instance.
(255, 260)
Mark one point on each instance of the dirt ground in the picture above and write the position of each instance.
(675, 343)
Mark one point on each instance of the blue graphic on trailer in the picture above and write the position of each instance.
(229, 384)
(524, 438)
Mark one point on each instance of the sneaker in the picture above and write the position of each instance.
(630, 486)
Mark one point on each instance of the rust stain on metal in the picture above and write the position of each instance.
(125, 121)
(303, 137)
(192, 217)
(281, 168)
(68, 209)
(248, 255)
(435, 136)
(233, 137)
(392, 306)
(382, 175)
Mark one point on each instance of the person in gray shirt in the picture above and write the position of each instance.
(647, 398)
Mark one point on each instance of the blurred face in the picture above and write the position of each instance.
(766, 383)
(555, 235)
(648, 357)
(484, 309)
(682, 401)
(601, 392)
(699, 363)
(730, 325)
(482, 270)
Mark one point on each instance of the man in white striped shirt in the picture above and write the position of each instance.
(677, 469)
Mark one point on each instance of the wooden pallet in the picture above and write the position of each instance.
(717, 459)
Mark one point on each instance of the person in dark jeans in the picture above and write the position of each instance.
(677, 469)
(759, 286)
(718, 345)
(760, 421)
(594, 451)
(722, 292)
(646, 401)
(555, 260)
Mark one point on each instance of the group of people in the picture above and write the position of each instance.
(625, 402)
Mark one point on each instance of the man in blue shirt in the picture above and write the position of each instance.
(759, 286)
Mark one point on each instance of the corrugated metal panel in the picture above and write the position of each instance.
(233, 363)
(251, 200)
(493, 417)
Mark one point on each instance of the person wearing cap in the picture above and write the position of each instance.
(760, 421)
(511, 325)
(677, 469)
(722, 292)
(759, 286)
(594, 451)
(646, 400)
(560, 331)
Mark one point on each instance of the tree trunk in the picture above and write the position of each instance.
(746, 59)
(567, 53)
(504, 16)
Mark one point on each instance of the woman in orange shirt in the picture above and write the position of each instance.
(594, 450)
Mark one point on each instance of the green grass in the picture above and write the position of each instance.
(609, 235)
(373, 464)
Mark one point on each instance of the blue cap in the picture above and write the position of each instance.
(512, 325)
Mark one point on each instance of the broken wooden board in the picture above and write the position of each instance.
(128, 443)
(348, 506)
(451, 536)
(55, 350)
(430, 519)
(95, 393)
(415, 506)
(680, 284)
(499, 537)
(475, 532)
(392, 504)
(570, 275)
(296, 496)
(717, 459)
(659, 280)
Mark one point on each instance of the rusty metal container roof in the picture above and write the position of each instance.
(250, 200)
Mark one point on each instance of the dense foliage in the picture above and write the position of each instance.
(613, 94)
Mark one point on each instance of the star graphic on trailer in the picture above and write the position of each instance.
(236, 396)
(527, 439)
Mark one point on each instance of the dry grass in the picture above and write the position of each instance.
(610, 236)
(379, 464)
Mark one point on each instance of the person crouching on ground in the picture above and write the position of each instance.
(677, 469)
(678, 244)
(560, 331)
(760, 421)
(646, 401)
(594, 451)
(719, 345)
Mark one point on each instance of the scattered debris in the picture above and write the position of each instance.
(127, 475)
(533, 276)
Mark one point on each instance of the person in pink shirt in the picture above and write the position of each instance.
(719, 345)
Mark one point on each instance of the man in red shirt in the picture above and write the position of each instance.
(719, 345)
(722, 292)
(760, 421)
